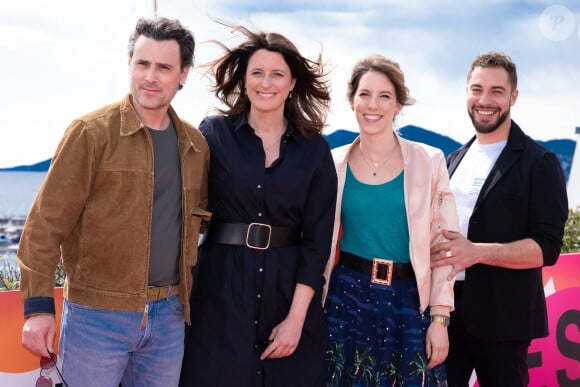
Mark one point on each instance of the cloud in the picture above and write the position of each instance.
(68, 57)
(14, 36)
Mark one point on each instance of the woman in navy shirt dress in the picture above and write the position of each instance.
(256, 311)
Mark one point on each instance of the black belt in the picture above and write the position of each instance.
(258, 236)
(382, 271)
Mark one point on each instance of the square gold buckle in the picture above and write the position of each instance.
(250, 230)
(375, 271)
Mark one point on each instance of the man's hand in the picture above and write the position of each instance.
(458, 251)
(38, 334)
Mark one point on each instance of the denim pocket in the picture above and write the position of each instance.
(176, 304)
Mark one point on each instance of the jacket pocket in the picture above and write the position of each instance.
(202, 216)
(198, 218)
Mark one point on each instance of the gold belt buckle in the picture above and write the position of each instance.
(375, 271)
(268, 227)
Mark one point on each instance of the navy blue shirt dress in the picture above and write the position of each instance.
(240, 293)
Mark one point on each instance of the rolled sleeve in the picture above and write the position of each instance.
(548, 206)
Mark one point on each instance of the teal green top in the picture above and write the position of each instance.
(374, 219)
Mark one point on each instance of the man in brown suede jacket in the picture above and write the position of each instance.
(122, 205)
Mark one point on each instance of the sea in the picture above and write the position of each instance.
(17, 191)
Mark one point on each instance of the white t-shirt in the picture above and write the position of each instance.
(468, 179)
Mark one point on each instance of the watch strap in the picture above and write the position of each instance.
(444, 320)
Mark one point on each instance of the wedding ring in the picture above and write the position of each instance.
(448, 254)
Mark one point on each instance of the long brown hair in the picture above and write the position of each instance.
(309, 102)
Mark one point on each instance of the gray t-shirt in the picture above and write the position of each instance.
(166, 222)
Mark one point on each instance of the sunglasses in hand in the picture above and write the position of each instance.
(46, 364)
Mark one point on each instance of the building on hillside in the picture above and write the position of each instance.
(574, 178)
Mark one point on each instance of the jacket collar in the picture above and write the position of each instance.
(508, 157)
(131, 124)
(516, 143)
(241, 122)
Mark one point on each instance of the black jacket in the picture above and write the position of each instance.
(524, 196)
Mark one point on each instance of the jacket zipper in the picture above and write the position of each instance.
(145, 314)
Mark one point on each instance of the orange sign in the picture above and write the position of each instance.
(14, 357)
(555, 360)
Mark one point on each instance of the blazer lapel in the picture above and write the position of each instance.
(457, 156)
(507, 158)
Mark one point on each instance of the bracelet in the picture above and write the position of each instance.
(441, 320)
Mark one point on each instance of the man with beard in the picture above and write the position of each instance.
(512, 207)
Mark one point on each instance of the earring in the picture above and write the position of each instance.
(179, 87)
(290, 94)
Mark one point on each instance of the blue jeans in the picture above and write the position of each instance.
(103, 347)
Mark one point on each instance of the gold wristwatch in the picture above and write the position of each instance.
(441, 320)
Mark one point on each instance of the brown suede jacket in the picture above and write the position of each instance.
(95, 209)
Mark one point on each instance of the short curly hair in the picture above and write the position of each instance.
(496, 59)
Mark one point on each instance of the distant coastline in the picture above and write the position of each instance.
(563, 148)
(38, 167)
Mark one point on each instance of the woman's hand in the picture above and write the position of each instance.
(436, 344)
(284, 338)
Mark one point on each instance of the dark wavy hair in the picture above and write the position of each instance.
(165, 29)
(496, 59)
(306, 109)
(380, 64)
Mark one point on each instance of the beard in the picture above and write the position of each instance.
(491, 126)
(148, 103)
(159, 99)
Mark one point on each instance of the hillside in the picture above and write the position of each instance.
(564, 149)
(410, 132)
(38, 167)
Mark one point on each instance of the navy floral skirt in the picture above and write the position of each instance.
(376, 334)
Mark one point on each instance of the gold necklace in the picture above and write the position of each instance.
(373, 165)
(272, 145)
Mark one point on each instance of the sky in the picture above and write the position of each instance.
(63, 58)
